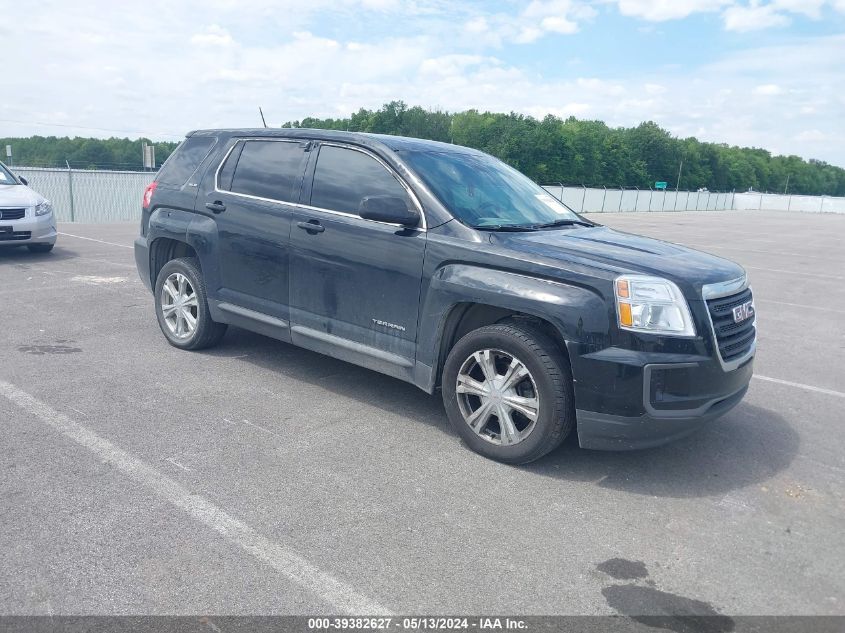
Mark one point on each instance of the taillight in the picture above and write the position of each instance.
(148, 194)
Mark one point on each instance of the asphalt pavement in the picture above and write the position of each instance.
(259, 478)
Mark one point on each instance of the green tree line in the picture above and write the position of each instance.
(83, 153)
(574, 151)
(551, 150)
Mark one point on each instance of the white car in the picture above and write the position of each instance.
(26, 217)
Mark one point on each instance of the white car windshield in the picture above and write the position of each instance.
(6, 177)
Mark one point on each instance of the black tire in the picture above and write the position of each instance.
(207, 332)
(40, 248)
(549, 369)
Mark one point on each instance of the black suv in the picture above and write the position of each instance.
(442, 266)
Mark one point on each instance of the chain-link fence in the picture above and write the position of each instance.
(81, 195)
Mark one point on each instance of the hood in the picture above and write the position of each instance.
(618, 252)
(18, 196)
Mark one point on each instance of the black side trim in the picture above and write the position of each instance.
(352, 346)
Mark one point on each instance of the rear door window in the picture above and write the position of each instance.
(344, 177)
(267, 169)
(184, 162)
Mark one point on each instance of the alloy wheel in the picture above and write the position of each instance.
(179, 306)
(497, 397)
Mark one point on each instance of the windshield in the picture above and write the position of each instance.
(484, 192)
(6, 177)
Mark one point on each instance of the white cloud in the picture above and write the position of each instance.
(810, 8)
(753, 17)
(557, 24)
(661, 10)
(479, 24)
(527, 35)
(214, 35)
(538, 19)
(810, 135)
(451, 65)
(82, 69)
(738, 15)
(564, 112)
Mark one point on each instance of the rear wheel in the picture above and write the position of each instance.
(507, 389)
(40, 248)
(182, 307)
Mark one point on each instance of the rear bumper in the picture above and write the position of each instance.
(142, 261)
(28, 230)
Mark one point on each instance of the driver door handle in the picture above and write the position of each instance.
(216, 206)
(311, 227)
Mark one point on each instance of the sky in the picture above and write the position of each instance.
(762, 73)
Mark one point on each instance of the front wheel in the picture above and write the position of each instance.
(507, 389)
(182, 308)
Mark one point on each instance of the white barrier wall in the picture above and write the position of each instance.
(776, 202)
(591, 200)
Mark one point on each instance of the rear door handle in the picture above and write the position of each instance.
(216, 206)
(312, 227)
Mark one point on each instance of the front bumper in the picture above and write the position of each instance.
(637, 399)
(31, 229)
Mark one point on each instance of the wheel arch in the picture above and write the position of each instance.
(465, 317)
(165, 249)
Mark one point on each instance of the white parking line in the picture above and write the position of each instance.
(789, 383)
(178, 464)
(795, 272)
(31, 288)
(91, 239)
(797, 305)
(289, 564)
(749, 250)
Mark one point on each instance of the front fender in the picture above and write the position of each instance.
(580, 314)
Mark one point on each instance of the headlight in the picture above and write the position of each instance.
(652, 304)
(43, 208)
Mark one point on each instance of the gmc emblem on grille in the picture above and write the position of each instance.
(743, 312)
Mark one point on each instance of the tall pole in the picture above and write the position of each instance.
(677, 186)
(70, 190)
(786, 188)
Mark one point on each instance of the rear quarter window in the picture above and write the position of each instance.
(184, 162)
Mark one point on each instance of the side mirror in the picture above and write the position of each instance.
(23, 180)
(388, 209)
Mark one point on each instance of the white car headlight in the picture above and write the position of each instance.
(43, 208)
(652, 304)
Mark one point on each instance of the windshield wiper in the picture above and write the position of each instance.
(567, 222)
(507, 227)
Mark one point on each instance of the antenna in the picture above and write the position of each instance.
(261, 112)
